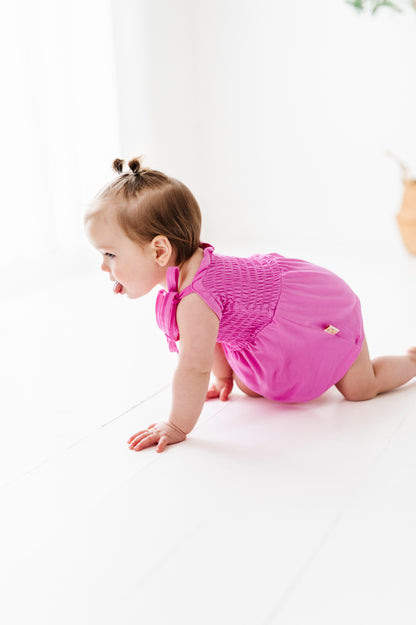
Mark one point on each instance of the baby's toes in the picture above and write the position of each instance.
(412, 353)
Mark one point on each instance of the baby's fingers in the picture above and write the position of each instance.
(212, 392)
(146, 441)
(224, 393)
(141, 432)
(139, 437)
(163, 443)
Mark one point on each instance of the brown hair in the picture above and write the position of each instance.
(147, 203)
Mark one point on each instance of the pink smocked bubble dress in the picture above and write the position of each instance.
(289, 329)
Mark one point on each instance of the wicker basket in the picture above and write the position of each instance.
(407, 215)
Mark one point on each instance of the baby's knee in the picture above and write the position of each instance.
(359, 393)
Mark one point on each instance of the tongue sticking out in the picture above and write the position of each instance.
(117, 288)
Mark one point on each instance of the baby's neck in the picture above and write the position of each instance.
(190, 267)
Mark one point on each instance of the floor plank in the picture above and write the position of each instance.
(268, 513)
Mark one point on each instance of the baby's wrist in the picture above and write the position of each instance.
(223, 378)
(176, 428)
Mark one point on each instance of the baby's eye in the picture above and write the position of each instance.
(109, 255)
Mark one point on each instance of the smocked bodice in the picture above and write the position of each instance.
(243, 292)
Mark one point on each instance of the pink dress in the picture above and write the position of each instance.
(289, 329)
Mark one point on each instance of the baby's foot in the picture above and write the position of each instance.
(411, 352)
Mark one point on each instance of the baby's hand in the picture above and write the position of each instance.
(221, 388)
(162, 434)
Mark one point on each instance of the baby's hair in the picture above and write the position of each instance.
(146, 203)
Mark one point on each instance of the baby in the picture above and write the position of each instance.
(281, 328)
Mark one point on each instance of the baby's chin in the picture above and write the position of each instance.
(133, 292)
(131, 295)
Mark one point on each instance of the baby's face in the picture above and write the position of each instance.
(138, 270)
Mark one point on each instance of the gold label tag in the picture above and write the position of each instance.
(331, 330)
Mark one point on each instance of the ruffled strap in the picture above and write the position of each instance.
(166, 304)
(172, 278)
(167, 301)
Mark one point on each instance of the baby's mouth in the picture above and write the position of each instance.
(117, 288)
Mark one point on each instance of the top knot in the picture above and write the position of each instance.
(134, 164)
(118, 165)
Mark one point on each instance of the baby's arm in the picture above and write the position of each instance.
(198, 329)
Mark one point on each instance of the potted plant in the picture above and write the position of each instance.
(406, 217)
(375, 5)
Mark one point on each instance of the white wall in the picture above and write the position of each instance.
(59, 131)
(278, 114)
(155, 53)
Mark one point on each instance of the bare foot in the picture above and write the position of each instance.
(411, 352)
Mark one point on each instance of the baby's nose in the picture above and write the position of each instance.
(104, 267)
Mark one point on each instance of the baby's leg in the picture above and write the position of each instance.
(366, 378)
(244, 388)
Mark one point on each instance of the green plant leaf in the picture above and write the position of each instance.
(357, 4)
(386, 3)
(374, 5)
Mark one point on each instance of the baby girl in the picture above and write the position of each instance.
(280, 328)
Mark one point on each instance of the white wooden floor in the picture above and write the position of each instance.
(268, 513)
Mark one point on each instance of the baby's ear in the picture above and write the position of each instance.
(163, 250)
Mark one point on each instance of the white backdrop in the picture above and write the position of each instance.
(276, 114)
(59, 126)
(279, 115)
